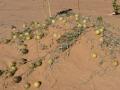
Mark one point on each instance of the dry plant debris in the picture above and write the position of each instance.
(17, 79)
(69, 38)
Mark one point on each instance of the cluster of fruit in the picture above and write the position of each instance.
(36, 84)
(82, 21)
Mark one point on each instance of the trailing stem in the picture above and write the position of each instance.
(49, 8)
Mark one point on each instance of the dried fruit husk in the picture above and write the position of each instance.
(24, 51)
(1, 72)
(39, 63)
(17, 79)
(33, 65)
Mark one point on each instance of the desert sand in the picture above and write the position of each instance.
(76, 71)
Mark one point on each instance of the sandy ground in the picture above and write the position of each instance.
(17, 12)
(76, 72)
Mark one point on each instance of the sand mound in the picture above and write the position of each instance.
(66, 52)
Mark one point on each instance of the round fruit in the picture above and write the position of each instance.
(17, 79)
(37, 84)
(94, 55)
(79, 25)
(76, 15)
(13, 68)
(28, 37)
(54, 35)
(60, 18)
(37, 37)
(53, 21)
(59, 35)
(115, 63)
(27, 85)
(97, 32)
(39, 63)
(14, 36)
(38, 25)
(36, 22)
(76, 18)
(102, 30)
(13, 63)
(26, 33)
(64, 21)
(84, 21)
(50, 61)
(13, 29)
(21, 35)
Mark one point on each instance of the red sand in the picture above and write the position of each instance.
(76, 72)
